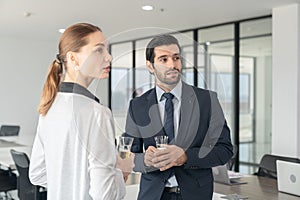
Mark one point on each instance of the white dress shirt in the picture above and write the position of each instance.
(74, 153)
(172, 182)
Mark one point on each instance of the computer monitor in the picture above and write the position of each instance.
(9, 133)
(288, 177)
(9, 130)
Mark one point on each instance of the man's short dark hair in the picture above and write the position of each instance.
(160, 41)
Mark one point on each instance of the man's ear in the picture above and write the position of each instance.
(150, 66)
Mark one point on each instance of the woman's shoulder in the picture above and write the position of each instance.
(102, 109)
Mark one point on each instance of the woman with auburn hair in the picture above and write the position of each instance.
(74, 152)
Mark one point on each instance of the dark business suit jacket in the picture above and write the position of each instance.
(202, 133)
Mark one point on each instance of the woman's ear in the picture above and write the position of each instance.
(71, 58)
(150, 66)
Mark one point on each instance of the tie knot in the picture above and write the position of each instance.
(168, 95)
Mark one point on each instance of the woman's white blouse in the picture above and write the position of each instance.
(74, 152)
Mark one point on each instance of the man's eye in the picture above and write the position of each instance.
(164, 60)
(176, 58)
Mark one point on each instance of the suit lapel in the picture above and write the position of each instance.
(155, 125)
(189, 117)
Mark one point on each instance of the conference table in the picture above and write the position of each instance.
(256, 188)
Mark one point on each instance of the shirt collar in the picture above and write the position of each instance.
(177, 90)
(75, 88)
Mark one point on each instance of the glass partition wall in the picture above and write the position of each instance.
(210, 57)
(256, 60)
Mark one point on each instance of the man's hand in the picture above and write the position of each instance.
(168, 157)
(149, 156)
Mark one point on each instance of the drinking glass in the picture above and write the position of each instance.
(161, 140)
(125, 144)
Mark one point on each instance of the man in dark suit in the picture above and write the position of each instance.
(199, 137)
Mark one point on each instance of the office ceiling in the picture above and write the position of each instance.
(123, 19)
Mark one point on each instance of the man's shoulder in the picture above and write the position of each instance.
(145, 96)
(199, 90)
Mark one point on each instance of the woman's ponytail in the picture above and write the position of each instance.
(51, 86)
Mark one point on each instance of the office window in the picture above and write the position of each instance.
(256, 60)
(121, 83)
(186, 42)
(215, 65)
(144, 80)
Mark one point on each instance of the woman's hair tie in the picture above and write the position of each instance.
(58, 59)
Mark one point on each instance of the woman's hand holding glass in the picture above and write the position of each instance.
(125, 158)
(125, 165)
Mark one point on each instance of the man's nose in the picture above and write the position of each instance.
(171, 64)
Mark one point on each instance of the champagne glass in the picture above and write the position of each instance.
(125, 144)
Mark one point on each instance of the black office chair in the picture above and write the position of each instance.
(9, 130)
(26, 191)
(267, 165)
(8, 181)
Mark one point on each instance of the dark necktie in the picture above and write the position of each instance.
(169, 116)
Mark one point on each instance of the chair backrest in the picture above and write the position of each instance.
(267, 166)
(8, 180)
(9, 130)
(26, 190)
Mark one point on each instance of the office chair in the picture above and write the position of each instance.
(9, 130)
(26, 191)
(267, 165)
(8, 181)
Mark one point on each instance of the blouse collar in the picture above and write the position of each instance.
(69, 87)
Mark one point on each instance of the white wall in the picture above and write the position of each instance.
(263, 100)
(23, 68)
(285, 81)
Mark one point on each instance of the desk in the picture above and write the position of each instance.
(257, 188)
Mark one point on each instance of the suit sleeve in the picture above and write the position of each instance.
(216, 148)
(132, 130)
